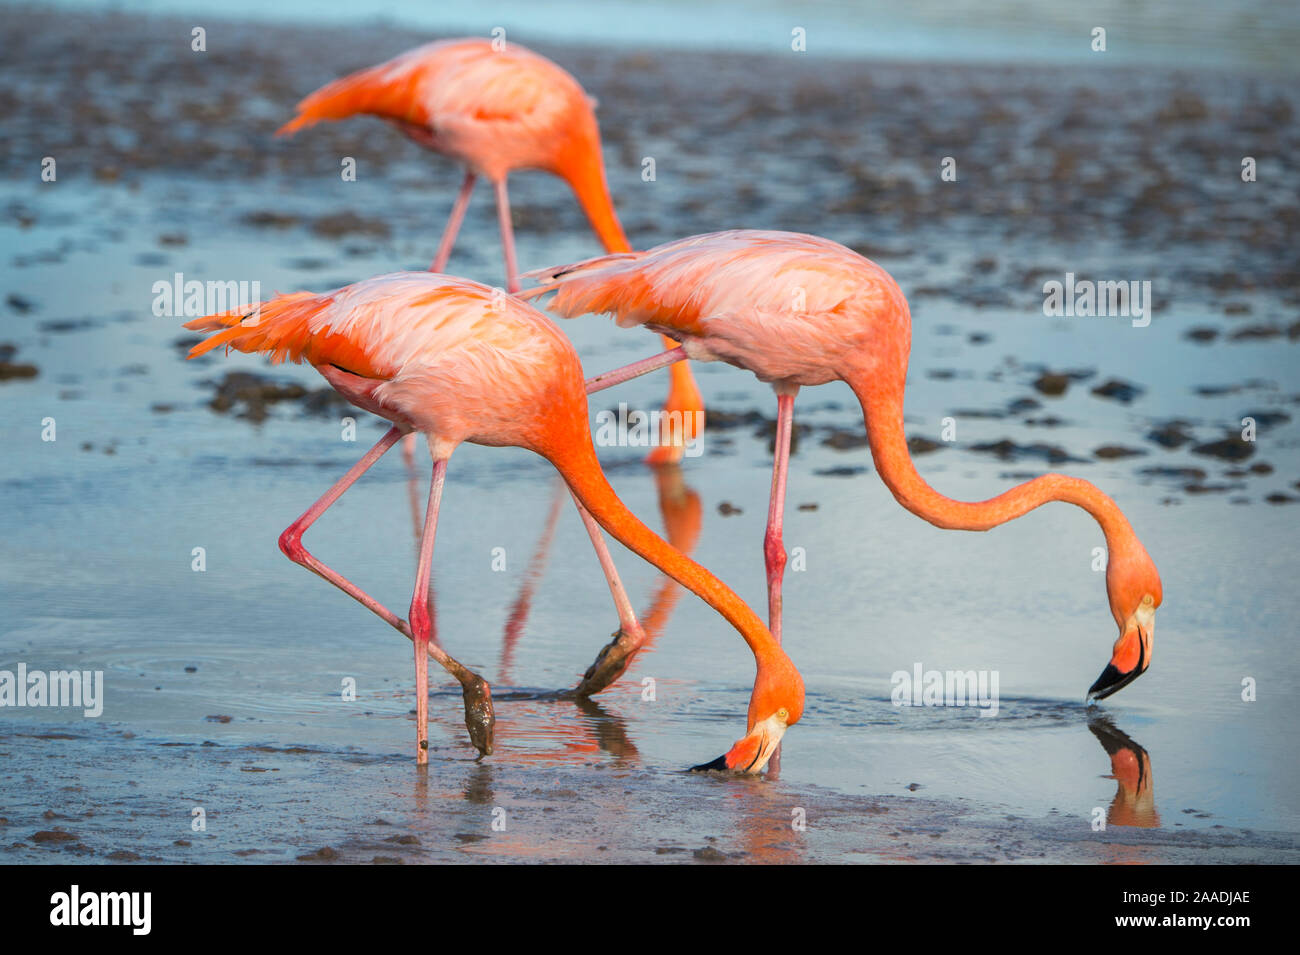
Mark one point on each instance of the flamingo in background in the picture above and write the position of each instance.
(799, 310)
(456, 361)
(499, 107)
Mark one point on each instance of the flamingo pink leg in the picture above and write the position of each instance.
(507, 237)
(420, 620)
(454, 222)
(616, 376)
(412, 484)
(478, 707)
(615, 656)
(626, 615)
(291, 539)
(773, 545)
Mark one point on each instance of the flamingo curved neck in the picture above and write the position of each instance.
(881, 397)
(585, 173)
(577, 463)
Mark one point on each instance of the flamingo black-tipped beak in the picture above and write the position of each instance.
(1111, 681)
(717, 765)
(1131, 659)
(750, 754)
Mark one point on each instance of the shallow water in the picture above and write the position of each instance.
(99, 528)
(1247, 34)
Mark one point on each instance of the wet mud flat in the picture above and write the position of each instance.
(307, 805)
(167, 164)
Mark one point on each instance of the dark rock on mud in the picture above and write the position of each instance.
(268, 219)
(1021, 405)
(323, 854)
(1008, 450)
(919, 445)
(256, 393)
(1258, 469)
(721, 420)
(326, 401)
(1121, 391)
(845, 439)
(9, 369)
(349, 223)
(1231, 448)
(1256, 333)
(1171, 434)
(1111, 452)
(710, 854)
(1202, 334)
(1265, 420)
(1053, 384)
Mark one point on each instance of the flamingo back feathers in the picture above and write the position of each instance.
(445, 355)
(448, 82)
(784, 305)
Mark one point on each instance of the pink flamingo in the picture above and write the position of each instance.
(499, 107)
(456, 361)
(799, 310)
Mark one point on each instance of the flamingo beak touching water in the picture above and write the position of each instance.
(1131, 657)
(751, 754)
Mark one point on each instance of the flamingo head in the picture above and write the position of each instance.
(775, 705)
(1133, 586)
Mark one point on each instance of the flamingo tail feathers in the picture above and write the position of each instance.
(284, 329)
(597, 285)
(379, 90)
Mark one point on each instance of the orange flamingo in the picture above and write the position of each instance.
(800, 310)
(457, 361)
(498, 107)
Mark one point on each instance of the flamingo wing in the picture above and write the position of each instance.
(450, 87)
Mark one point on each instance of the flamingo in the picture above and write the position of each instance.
(498, 107)
(456, 361)
(800, 310)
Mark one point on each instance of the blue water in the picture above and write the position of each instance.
(1242, 35)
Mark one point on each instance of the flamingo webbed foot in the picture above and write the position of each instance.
(480, 718)
(611, 663)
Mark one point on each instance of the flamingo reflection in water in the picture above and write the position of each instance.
(1130, 766)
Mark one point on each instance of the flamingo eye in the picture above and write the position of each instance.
(783, 713)
(1148, 600)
